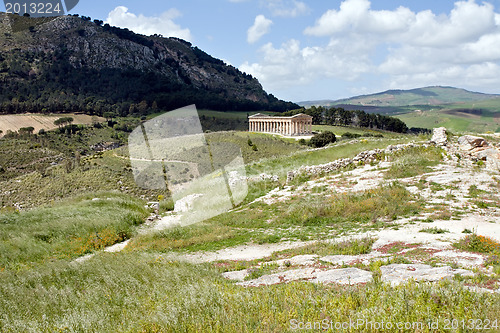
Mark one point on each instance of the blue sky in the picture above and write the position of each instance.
(309, 50)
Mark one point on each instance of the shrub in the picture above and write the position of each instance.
(322, 139)
(349, 135)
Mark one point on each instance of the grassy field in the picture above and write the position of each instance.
(143, 293)
(144, 290)
(85, 203)
(281, 165)
(68, 229)
(453, 120)
(15, 122)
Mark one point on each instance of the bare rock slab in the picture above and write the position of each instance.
(348, 276)
(281, 277)
(300, 260)
(400, 273)
(236, 275)
(349, 260)
(469, 142)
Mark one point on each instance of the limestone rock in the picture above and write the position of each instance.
(300, 260)
(186, 204)
(281, 277)
(236, 275)
(349, 276)
(469, 142)
(439, 136)
(399, 273)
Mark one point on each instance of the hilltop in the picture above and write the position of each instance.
(71, 63)
(421, 96)
(457, 109)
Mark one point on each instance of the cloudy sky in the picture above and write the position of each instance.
(308, 50)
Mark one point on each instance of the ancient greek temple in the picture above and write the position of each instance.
(300, 124)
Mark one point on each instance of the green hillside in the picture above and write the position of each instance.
(413, 97)
(459, 110)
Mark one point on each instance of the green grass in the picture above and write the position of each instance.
(281, 165)
(301, 218)
(348, 247)
(339, 130)
(454, 121)
(414, 161)
(434, 230)
(140, 293)
(102, 172)
(69, 229)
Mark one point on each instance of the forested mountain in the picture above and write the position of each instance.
(72, 63)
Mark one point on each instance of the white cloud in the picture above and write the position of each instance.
(291, 65)
(261, 26)
(163, 24)
(287, 8)
(466, 22)
(405, 48)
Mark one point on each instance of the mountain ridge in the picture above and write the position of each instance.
(432, 95)
(72, 63)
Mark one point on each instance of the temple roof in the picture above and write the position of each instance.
(261, 115)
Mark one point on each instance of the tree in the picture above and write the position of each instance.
(26, 130)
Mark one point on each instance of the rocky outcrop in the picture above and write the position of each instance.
(400, 273)
(469, 142)
(476, 148)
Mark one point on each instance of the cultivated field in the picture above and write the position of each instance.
(38, 121)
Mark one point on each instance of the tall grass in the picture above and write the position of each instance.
(384, 202)
(414, 161)
(69, 229)
(140, 293)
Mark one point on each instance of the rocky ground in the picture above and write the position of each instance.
(417, 248)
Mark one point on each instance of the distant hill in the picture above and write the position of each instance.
(398, 98)
(72, 63)
(457, 109)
